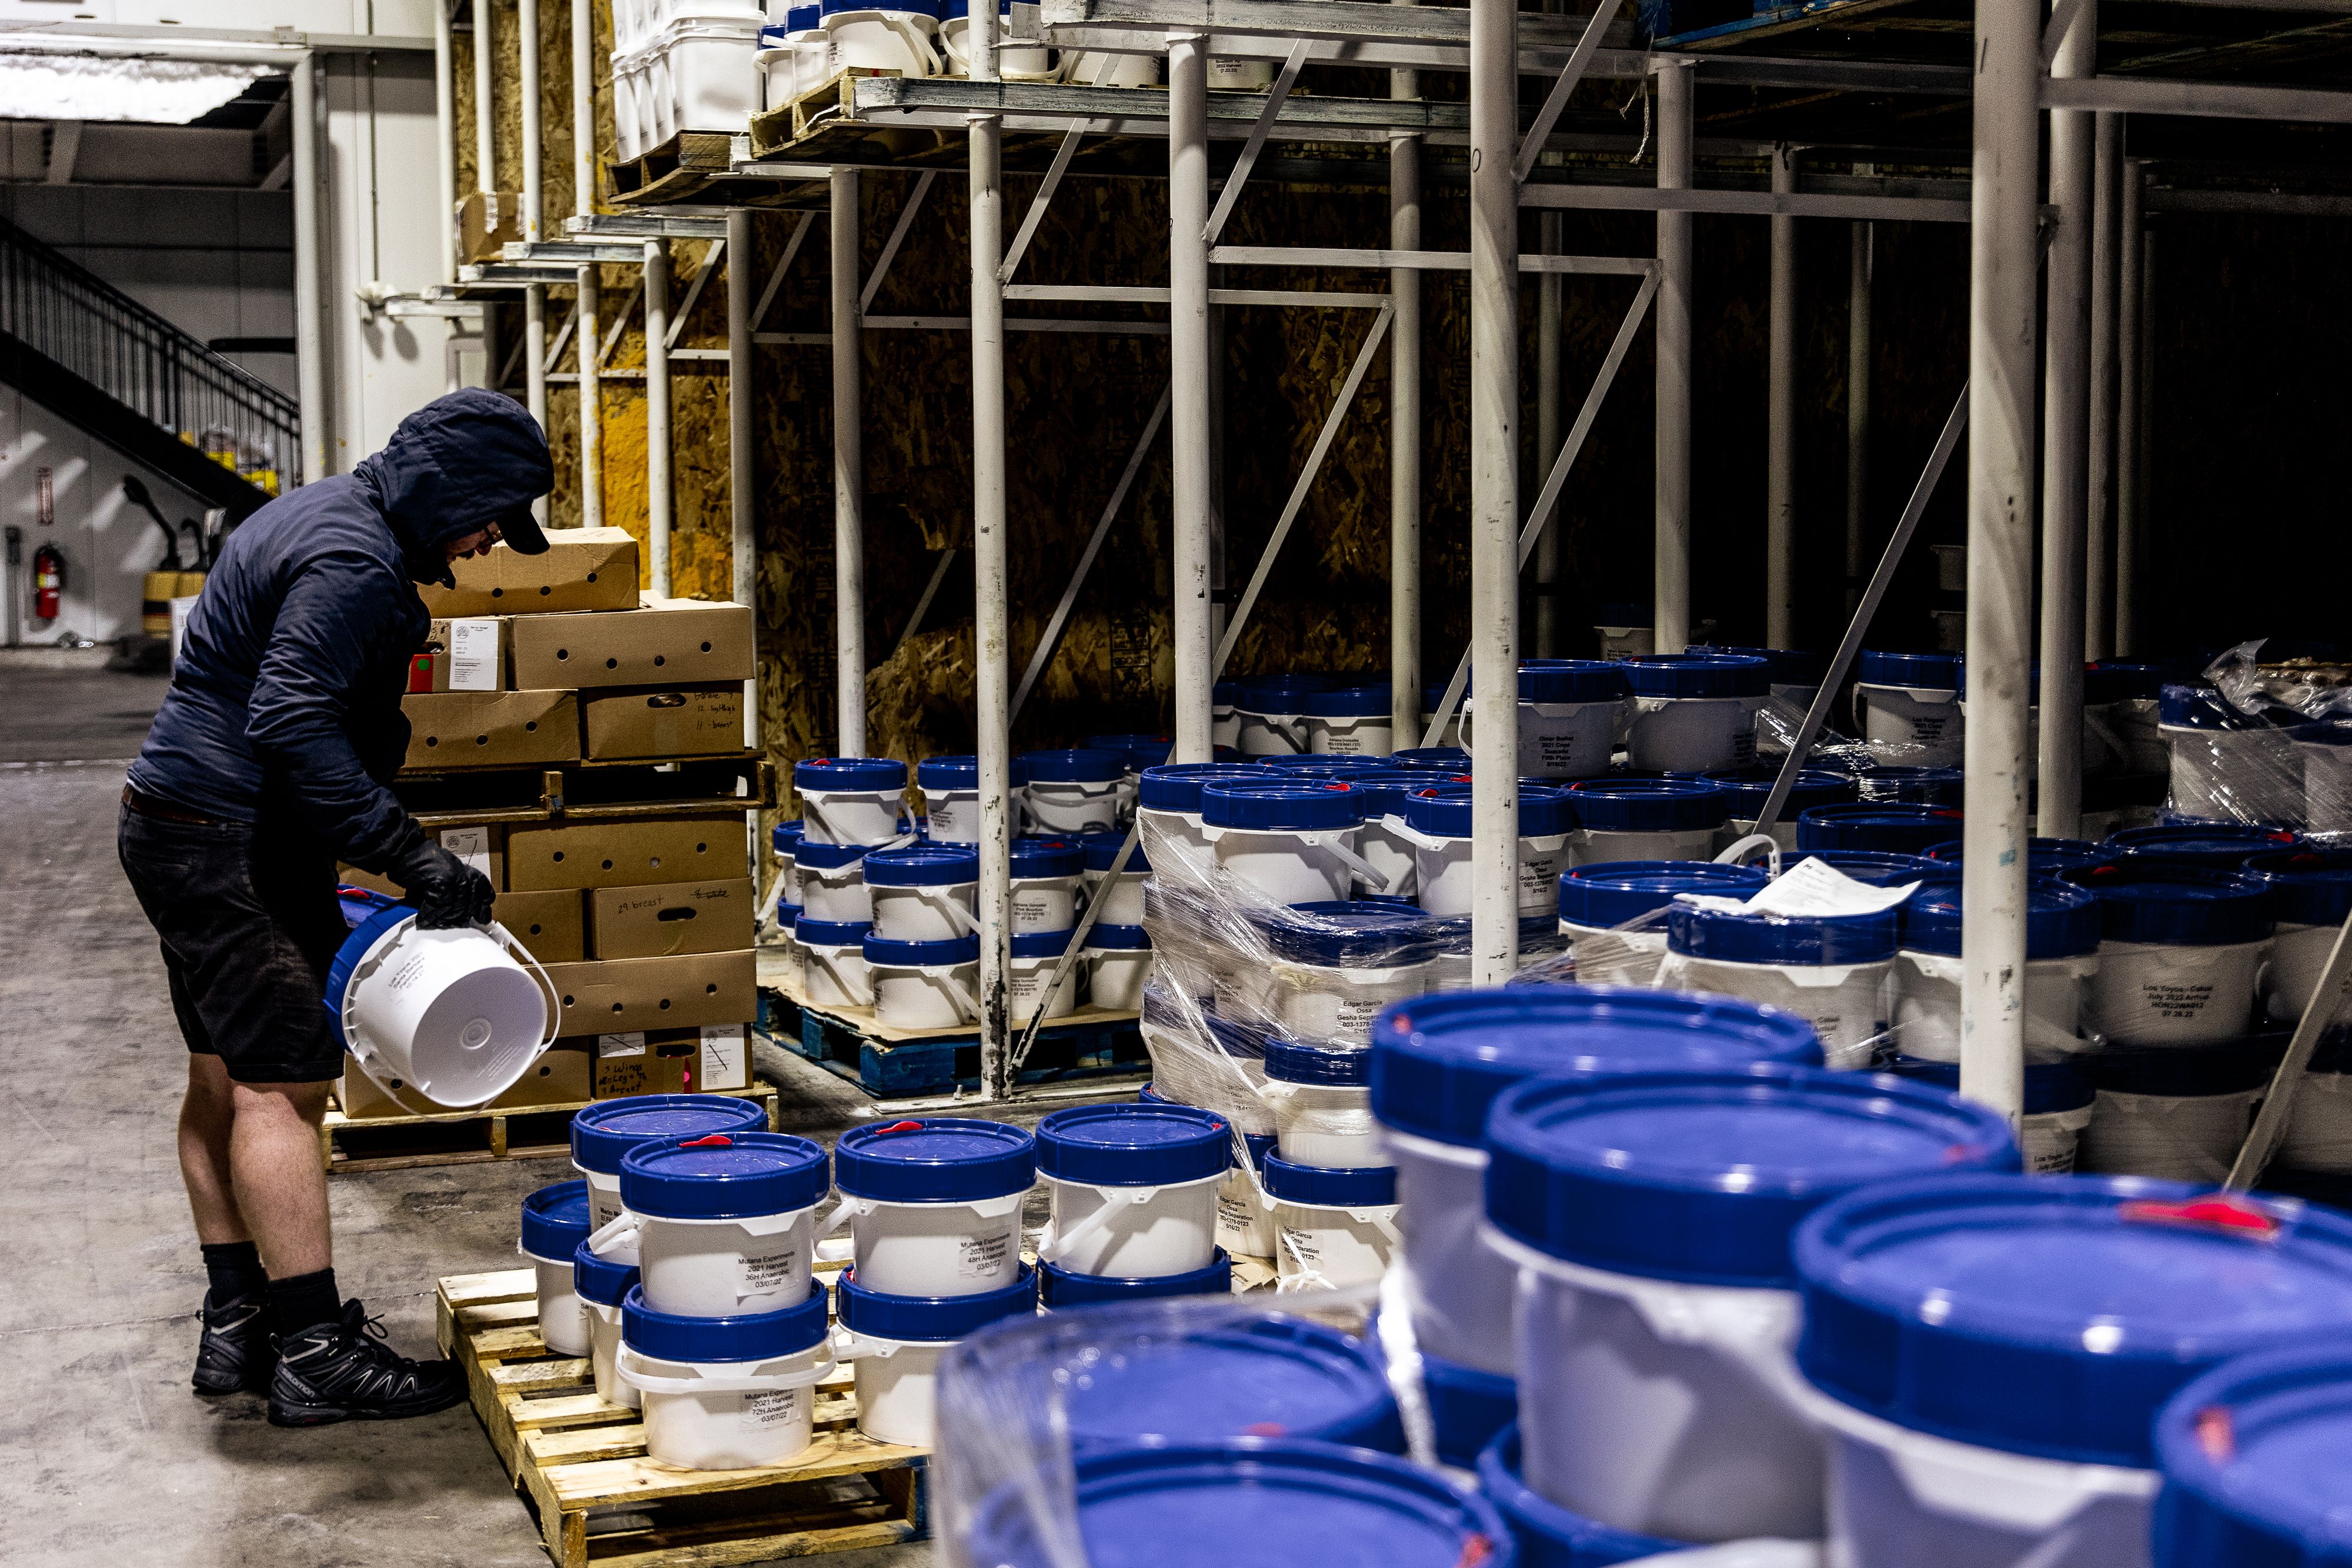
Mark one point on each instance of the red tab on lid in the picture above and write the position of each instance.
(2217, 1434)
(715, 1140)
(2221, 1211)
(898, 1127)
(1475, 1553)
(1266, 1429)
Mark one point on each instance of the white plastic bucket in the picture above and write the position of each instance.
(1916, 726)
(1328, 1124)
(2299, 955)
(850, 800)
(440, 1019)
(2153, 993)
(1599, 847)
(833, 892)
(1305, 866)
(936, 1249)
(1012, 64)
(1323, 1248)
(625, 104)
(1044, 903)
(1097, 68)
(900, 41)
(603, 1281)
(714, 78)
(1321, 1001)
(2320, 1125)
(1691, 735)
(836, 973)
(2178, 1137)
(924, 893)
(1119, 899)
(1115, 976)
(1132, 1232)
(1367, 734)
(2234, 775)
(1650, 941)
(1845, 1003)
(894, 1344)
(555, 1223)
(1559, 740)
(897, 1386)
(1384, 843)
(1460, 1292)
(604, 1357)
(2327, 785)
(1228, 75)
(925, 985)
(1026, 977)
(728, 1415)
(1928, 1003)
(1441, 871)
(1063, 806)
(721, 1268)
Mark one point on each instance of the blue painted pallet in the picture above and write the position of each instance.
(902, 1070)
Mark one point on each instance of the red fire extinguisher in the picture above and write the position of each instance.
(48, 581)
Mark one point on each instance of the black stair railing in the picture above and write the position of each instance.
(60, 310)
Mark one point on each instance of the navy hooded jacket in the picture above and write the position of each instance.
(286, 691)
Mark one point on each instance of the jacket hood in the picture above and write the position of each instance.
(456, 465)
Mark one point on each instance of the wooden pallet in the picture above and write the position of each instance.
(729, 782)
(581, 1467)
(405, 1140)
(676, 171)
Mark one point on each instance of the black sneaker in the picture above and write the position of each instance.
(344, 1372)
(236, 1352)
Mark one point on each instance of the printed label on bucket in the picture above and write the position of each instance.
(766, 1272)
(1033, 912)
(1298, 1247)
(2180, 1001)
(1235, 1216)
(983, 1256)
(773, 1407)
(604, 1207)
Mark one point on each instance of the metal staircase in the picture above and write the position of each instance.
(93, 355)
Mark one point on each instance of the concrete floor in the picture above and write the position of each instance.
(112, 1458)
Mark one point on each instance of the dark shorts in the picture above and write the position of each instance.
(249, 923)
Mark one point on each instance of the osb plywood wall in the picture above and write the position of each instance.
(1076, 404)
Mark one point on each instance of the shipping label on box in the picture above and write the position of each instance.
(491, 729)
(726, 1057)
(488, 221)
(648, 1061)
(686, 721)
(670, 918)
(583, 568)
(624, 853)
(552, 925)
(606, 995)
(462, 653)
(665, 642)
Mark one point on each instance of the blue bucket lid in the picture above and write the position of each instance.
(935, 1159)
(2188, 1071)
(2067, 1309)
(2224, 846)
(1572, 681)
(1649, 805)
(1347, 765)
(1384, 787)
(723, 1175)
(850, 772)
(1696, 675)
(788, 918)
(1879, 868)
(2150, 900)
(2043, 857)
(1921, 672)
(2050, 1086)
(1105, 934)
(1041, 857)
(1134, 1146)
(1443, 810)
(1349, 933)
(961, 10)
(1074, 766)
(2308, 886)
(963, 773)
(1289, 1060)
(1102, 852)
(1445, 758)
(1610, 893)
(600, 1280)
(1749, 787)
(1703, 1176)
(946, 953)
(2121, 680)
(1281, 806)
(2062, 921)
(800, 19)
(1139, 751)
(354, 950)
(1550, 1535)
(750, 1336)
(930, 1320)
(1038, 943)
(1292, 1502)
(1346, 702)
(1911, 785)
(2202, 707)
(1894, 828)
(1280, 694)
(786, 837)
(1803, 941)
(1059, 1289)
(1276, 1376)
(922, 865)
(1225, 693)
(1438, 1061)
(555, 1220)
(1240, 1039)
(2252, 1455)
(815, 857)
(602, 1133)
(911, 7)
(1176, 786)
(1467, 1406)
(1790, 667)
(1329, 1186)
(831, 932)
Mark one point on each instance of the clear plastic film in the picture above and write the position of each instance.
(2267, 742)
(1020, 1403)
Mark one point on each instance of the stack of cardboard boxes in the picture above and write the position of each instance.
(642, 918)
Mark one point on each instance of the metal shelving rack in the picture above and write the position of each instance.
(2027, 65)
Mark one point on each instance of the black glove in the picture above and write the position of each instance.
(445, 890)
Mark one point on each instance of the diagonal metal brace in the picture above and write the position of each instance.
(1570, 75)
(1044, 198)
(783, 265)
(898, 237)
(1232, 194)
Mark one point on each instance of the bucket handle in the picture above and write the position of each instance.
(1054, 1245)
(958, 915)
(630, 1364)
(514, 946)
(842, 980)
(621, 1226)
(966, 1003)
(1737, 854)
(848, 1345)
(917, 40)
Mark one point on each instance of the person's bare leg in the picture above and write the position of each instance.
(206, 1115)
(280, 1184)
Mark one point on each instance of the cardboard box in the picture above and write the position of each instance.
(675, 721)
(481, 845)
(488, 221)
(670, 918)
(607, 995)
(726, 1057)
(560, 1077)
(626, 853)
(665, 641)
(491, 729)
(463, 653)
(584, 569)
(649, 1061)
(549, 923)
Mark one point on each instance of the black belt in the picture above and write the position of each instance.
(165, 811)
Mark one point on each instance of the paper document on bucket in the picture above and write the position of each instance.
(1808, 891)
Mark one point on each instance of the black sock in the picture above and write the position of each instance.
(305, 1300)
(233, 1268)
